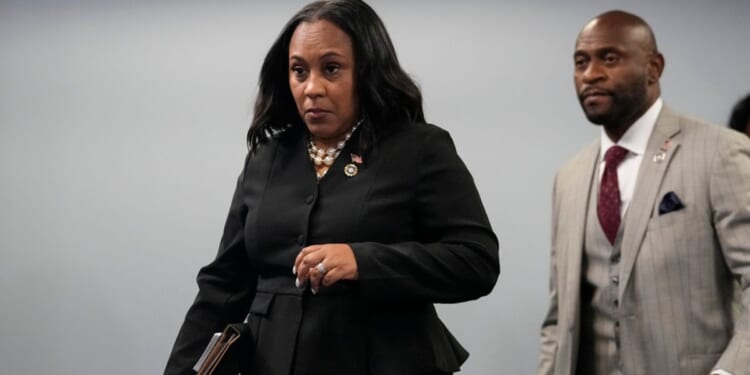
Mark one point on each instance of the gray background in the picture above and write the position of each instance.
(122, 130)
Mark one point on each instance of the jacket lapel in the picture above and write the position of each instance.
(574, 227)
(574, 200)
(653, 167)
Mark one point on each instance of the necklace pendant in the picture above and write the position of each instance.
(323, 157)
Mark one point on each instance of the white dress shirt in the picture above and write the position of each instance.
(634, 140)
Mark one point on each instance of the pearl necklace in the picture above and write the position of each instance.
(325, 157)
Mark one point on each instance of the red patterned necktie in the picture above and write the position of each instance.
(608, 208)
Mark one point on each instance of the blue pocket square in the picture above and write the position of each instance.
(670, 203)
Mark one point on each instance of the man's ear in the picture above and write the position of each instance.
(655, 67)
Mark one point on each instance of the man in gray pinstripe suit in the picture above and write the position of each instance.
(657, 282)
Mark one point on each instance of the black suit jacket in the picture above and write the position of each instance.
(419, 233)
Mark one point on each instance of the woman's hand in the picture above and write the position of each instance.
(325, 264)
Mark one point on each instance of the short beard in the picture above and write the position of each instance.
(628, 104)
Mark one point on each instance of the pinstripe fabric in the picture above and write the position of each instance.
(599, 347)
(684, 287)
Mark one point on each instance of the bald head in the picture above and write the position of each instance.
(630, 27)
(617, 70)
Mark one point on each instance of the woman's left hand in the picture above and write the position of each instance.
(325, 264)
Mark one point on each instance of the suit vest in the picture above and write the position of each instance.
(599, 345)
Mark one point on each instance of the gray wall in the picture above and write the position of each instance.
(122, 132)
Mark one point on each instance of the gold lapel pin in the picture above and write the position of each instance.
(662, 154)
(351, 169)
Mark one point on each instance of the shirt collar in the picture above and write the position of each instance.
(636, 137)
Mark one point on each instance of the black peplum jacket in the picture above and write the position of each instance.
(420, 236)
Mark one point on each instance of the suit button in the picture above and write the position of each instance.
(617, 303)
(615, 280)
(301, 239)
(310, 198)
(617, 325)
(615, 258)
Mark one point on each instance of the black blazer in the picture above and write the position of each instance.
(420, 236)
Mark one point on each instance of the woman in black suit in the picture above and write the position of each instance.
(351, 218)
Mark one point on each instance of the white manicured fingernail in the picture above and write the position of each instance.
(294, 270)
(314, 291)
(296, 282)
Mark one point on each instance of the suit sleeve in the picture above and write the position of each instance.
(226, 288)
(549, 326)
(455, 257)
(730, 200)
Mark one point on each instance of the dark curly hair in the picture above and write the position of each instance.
(740, 115)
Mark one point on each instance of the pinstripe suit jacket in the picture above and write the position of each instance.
(685, 275)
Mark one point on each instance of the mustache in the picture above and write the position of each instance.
(589, 91)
